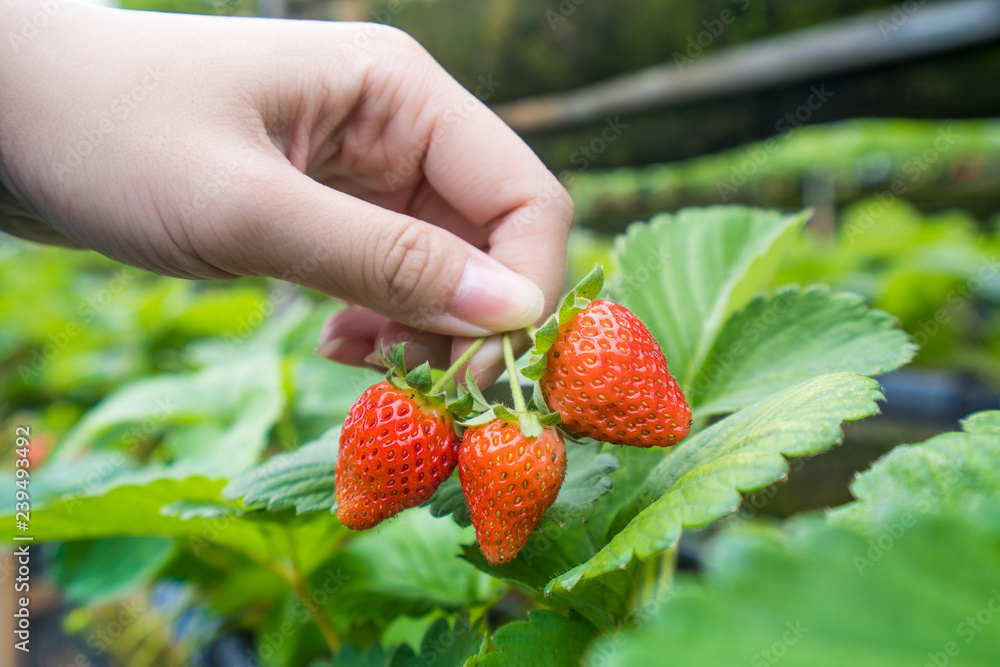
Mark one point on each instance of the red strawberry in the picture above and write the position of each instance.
(509, 481)
(396, 447)
(607, 378)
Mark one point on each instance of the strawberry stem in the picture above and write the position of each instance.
(515, 386)
(438, 386)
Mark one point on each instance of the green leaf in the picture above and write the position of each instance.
(538, 402)
(479, 401)
(288, 635)
(409, 565)
(96, 571)
(536, 369)
(550, 419)
(186, 510)
(546, 638)
(302, 479)
(490, 415)
(349, 656)
(807, 599)
(591, 284)
(571, 305)
(420, 377)
(983, 423)
(546, 335)
(576, 300)
(950, 474)
(81, 476)
(323, 393)
(238, 400)
(796, 334)
(501, 412)
(700, 481)
(684, 274)
(448, 499)
(553, 549)
(443, 645)
(134, 509)
(461, 406)
(588, 478)
(394, 359)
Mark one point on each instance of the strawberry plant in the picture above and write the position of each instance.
(230, 479)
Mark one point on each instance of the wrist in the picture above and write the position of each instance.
(25, 39)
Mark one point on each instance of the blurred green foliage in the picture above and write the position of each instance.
(148, 477)
(940, 274)
(937, 163)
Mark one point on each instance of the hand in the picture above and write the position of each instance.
(339, 156)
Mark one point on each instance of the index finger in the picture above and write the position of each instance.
(489, 175)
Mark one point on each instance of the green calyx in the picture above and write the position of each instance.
(421, 378)
(532, 418)
(576, 300)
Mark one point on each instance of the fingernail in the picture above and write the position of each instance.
(375, 359)
(495, 298)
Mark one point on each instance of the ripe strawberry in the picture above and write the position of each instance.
(600, 369)
(607, 378)
(509, 481)
(396, 447)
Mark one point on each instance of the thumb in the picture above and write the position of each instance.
(408, 270)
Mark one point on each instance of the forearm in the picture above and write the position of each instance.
(29, 42)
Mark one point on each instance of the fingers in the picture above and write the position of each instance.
(350, 335)
(291, 227)
(353, 335)
(489, 176)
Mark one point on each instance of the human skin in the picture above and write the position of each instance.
(339, 156)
